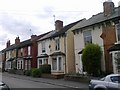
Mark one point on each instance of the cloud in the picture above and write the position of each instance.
(3, 39)
(16, 27)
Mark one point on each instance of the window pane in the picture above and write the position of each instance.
(118, 31)
(115, 79)
(57, 44)
(60, 63)
(87, 37)
(21, 51)
(43, 47)
(28, 50)
(54, 64)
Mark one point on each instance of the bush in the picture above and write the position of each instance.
(91, 58)
(46, 68)
(12, 71)
(27, 72)
(36, 72)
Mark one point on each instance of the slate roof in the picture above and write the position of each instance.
(13, 46)
(98, 18)
(64, 29)
(116, 47)
(48, 35)
(24, 43)
(42, 56)
(57, 53)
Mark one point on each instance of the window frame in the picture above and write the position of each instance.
(117, 28)
(29, 50)
(57, 44)
(87, 37)
(43, 46)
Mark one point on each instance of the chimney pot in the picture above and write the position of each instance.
(17, 40)
(8, 43)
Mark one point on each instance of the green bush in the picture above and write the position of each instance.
(27, 72)
(91, 58)
(36, 72)
(46, 68)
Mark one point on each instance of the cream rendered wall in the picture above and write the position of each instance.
(98, 40)
(47, 49)
(62, 45)
(62, 49)
(70, 55)
(79, 45)
(47, 43)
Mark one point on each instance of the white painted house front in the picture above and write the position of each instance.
(89, 34)
(44, 50)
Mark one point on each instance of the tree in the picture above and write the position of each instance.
(91, 58)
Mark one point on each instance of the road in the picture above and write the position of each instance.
(20, 82)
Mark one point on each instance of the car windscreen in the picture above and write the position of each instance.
(115, 79)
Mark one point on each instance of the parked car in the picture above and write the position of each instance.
(3, 86)
(110, 82)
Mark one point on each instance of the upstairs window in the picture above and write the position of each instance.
(118, 32)
(43, 47)
(21, 51)
(28, 50)
(57, 44)
(87, 37)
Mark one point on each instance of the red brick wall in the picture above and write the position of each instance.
(109, 39)
(34, 54)
(19, 54)
(25, 51)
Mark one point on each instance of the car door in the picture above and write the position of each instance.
(114, 84)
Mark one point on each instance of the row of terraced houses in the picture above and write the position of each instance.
(62, 47)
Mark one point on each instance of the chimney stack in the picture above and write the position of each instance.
(34, 37)
(58, 25)
(108, 7)
(17, 40)
(8, 43)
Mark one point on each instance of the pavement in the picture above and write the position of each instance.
(59, 82)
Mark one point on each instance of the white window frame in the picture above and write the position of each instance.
(117, 27)
(20, 64)
(29, 50)
(58, 67)
(21, 52)
(117, 55)
(54, 64)
(43, 61)
(43, 46)
(26, 62)
(57, 44)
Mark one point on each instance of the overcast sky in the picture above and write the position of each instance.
(26, 17)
